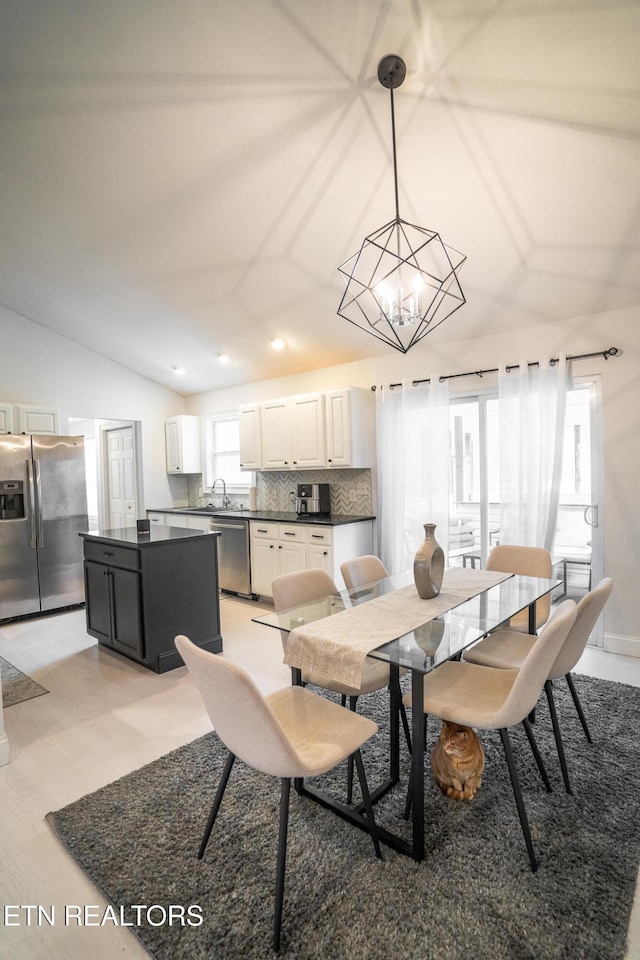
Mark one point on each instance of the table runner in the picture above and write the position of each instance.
(337, 646)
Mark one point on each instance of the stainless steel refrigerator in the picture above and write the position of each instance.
(43, 508)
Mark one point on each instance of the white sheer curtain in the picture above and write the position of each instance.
(413, 469)
(532, 410)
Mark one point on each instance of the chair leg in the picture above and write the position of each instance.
(522, 813)
(536, 754)
(548, 689)
(282, 859)
(366, 796)
(576, 700)
(353, 705)
(216, 803)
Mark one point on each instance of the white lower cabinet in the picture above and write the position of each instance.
(156, 518)
(278, 548)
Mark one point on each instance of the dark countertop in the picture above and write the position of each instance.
(273, 516)
(129, 536)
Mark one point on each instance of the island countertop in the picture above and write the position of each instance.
(129, 536)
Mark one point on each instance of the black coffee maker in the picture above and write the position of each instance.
(313, 498)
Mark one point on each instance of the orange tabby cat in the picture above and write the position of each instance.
(457, 761)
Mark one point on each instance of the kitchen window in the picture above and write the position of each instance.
(222, 453)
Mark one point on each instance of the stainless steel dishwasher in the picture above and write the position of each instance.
(234, 566)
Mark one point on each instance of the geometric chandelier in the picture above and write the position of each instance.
(403, 282)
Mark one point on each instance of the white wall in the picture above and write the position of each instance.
(621, 408)
(38, 366)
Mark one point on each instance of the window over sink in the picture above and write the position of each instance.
(222, 453)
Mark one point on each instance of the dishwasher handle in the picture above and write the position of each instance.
(228, 525)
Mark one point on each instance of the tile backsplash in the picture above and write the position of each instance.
(351, 490)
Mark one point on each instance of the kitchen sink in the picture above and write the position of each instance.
(209, 510)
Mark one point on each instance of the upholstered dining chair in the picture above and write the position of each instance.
(305, 586)
(528, 562)
(490, 699)
(288, 734)
(361, 570)
(507, 649)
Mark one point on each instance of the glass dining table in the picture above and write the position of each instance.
(470, 605)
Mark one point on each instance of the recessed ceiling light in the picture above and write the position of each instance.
(277, 344)
(223, 358)
(179, 371)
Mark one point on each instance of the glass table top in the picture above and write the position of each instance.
(437, 639)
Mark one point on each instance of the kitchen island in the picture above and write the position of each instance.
(141, 590)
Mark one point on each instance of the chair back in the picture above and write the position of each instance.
(534, 672)
(362, 570)
(589, 609)
(304, 586)
(240, 715)
(527, 562)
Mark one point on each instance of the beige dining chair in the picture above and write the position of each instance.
(528, 562)
(305, 586)
(507, 650)
(489, 699)
(291, 733)
(361, 570)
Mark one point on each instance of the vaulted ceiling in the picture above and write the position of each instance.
(180, 179)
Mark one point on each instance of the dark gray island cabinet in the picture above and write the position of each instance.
(141, 590)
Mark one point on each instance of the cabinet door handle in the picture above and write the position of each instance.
(261, 531)
(317, 536)
(107, 553)
(289, 533)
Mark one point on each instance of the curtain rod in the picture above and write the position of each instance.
(611, 352)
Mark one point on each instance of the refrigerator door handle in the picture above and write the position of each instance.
(33, 535)
(38, 485)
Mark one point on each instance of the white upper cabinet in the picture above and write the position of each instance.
(277, 448)
(250, 421)
(310, 431)
(6, 418)
(183, 444)
(351, 427)
(22, 418)
(307, 416)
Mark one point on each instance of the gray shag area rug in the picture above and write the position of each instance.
(474, 896)
(16, 685)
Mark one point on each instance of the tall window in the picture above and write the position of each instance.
(474, 484)
(222, 453)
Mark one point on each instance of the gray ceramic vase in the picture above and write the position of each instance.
(428, 566)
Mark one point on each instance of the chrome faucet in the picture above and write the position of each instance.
(225, 502)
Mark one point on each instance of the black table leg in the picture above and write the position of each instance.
(417, 766)
(394, 721)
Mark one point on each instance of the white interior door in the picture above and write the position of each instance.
(121, 475)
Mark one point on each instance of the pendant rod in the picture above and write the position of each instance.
(395, 155)
(610, 352)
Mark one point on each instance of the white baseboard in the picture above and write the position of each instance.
(627, 646)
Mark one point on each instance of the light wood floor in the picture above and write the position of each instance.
(103, 717)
